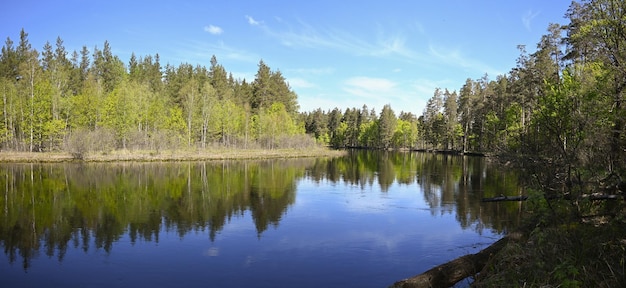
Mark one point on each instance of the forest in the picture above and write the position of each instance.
(91, 101)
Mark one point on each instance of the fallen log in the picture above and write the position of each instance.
(505, 198)
(448, 274)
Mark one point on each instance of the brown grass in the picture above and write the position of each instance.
(173, 155)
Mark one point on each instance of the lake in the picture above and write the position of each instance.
(364, 220)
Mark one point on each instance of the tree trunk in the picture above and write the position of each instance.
(446, 275)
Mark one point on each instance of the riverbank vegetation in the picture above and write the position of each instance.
(215, 153)
(559, 115)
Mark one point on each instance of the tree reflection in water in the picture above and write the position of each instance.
(48, 208)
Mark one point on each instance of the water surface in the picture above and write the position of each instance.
(365, 220)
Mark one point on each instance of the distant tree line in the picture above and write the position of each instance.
(362, 128)
(91, 101)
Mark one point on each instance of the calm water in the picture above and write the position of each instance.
(365, 220)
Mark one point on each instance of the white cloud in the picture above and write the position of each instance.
(393, 46)
(455, 58)
(310, 102)
(300, 83)
(371, 91)
(313, 71)
(253, 22)
(369, 84)
(215, 30)
(304, 35)
(199, 52)
(528, 17)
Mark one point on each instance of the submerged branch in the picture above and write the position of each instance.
(505, 198)
(592, 196)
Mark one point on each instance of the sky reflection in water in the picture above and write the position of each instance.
(346, 232)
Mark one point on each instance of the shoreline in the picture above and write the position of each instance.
(168, 155)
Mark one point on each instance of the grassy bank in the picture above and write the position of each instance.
(569, 255)
(173, 155)
(563, 249)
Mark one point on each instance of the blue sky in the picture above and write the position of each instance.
(333, 53)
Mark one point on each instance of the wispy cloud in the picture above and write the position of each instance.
(374, 91)
(303, 35)
(300, 83)
(395, 46)
(453, 57)
(215, 30)
(528, 18)
(313, 71)
(377, 92)
(252, 21)
(369, 84)
(199, 52)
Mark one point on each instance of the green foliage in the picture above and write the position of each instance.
(146, 106)
(120, 112)
(368, 134)
(270, 87)
(361, 128)
(42, 131)
(175, 124)
(405, 135)
(572, 255)
(274, 124)
(54, 132)
(513, 127)
(228, 120)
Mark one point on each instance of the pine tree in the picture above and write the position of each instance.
(450, 108)
(387, 126)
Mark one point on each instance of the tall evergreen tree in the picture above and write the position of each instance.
(261, 95)
(387, 126)
(219, 80)
(450, 108)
